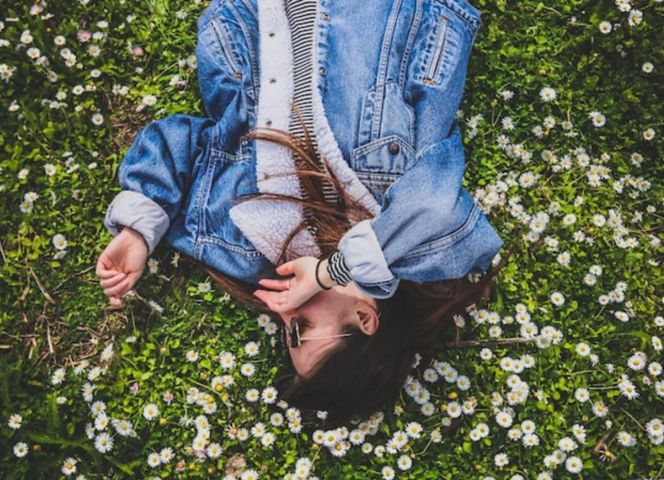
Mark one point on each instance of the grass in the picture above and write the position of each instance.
(580, 162)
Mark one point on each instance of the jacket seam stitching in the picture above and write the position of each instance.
(250, 8)
(203, 197)
(227, 49)
(250, 48)
(375, 144)
(230, 246)
(383, 68)
(470, 19)
(412, 35)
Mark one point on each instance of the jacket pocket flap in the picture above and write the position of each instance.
(389, 155)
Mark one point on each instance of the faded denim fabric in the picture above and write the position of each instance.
(392, 76)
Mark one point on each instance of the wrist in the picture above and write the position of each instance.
(323, 276)
(135, 235)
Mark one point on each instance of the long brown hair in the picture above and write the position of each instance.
(362, 372)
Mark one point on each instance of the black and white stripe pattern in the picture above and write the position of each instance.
(337, 269)
(301, 17)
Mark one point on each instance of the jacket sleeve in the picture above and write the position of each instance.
(157, 170)
(155, 175)
(429, 227)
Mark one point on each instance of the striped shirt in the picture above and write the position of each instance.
(301, 18)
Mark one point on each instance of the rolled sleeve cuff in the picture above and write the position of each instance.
(135, 210)
(364, 257)
(379, 290)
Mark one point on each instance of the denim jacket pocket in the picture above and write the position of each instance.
(446, 31)
(227, 176)
(228, 48)
(379, 163)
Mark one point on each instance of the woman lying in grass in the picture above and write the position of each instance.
(324, 187)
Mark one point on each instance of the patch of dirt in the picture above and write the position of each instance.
(125, 121)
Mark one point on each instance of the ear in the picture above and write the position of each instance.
(368, 320)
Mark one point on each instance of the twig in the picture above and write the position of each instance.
(483, 343)
(41, 287)
(25, 291)
(48, 337)
(635, 420)
(2, 251)
(601, 444)
(68, 279)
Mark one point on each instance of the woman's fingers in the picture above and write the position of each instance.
(275, 283)
(103, 270)
(117, 289)
(116, 301)
(276, 301)
(285, 268)
(109, 282)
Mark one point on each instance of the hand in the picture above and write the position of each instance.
(121, 264)
(288, 294)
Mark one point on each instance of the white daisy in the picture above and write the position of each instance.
(227, 360)
(58, 376)
(150, 411)
(21, 449)
(104, 442)
(557, 299)
(249, 475)
(605, 27)
(15, 421)
(573, 464)
(97, 119)
(267, 439)
(69, 466)
(214, 450)
(583, 349)
(154, 460)
(547, 94)
(251, 349)
(269, 395)
(404, 462)
(247, 369)
(166, 455)
(637, 361)
(504, 419)
(598, 119)
(252, 395)
(149, 100)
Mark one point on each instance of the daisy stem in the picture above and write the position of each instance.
(425, 447)
(635, 420)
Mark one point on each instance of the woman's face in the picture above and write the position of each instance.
(325, 314)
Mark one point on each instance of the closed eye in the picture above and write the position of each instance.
(303, 323)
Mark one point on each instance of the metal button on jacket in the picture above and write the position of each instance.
(394, 147)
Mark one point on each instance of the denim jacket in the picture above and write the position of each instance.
(389, 78)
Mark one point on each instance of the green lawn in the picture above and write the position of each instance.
(562, 122)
